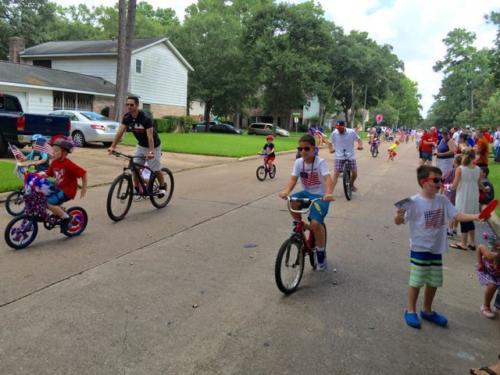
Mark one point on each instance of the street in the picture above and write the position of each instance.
(190, 289)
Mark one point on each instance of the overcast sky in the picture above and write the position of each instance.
(415, 28)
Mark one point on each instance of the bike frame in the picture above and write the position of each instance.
(135, 169)
(300, 226)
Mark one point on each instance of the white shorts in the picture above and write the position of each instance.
(142, 152)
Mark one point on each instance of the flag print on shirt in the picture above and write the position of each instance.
(434, 219)
(311, 180)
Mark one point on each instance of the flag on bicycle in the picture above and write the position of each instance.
(41, 145)
(18, 155)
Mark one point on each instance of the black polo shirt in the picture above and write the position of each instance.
(138, 126)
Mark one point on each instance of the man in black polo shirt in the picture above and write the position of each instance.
(148, 147)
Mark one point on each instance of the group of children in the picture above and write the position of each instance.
(65, 172)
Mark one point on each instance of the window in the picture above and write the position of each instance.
(44, 63)
(138, 66)
(9, 104)
(146, 107)
(72, 101)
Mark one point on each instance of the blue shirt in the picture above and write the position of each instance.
(36, 156)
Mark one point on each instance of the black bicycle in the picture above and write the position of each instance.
(265, 169)
(122, 190)
(346, 177)
(14, 203)
(374, 147)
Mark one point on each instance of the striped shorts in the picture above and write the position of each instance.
(339, 163)
(426, 269)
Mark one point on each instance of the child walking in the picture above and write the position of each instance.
(427, 214)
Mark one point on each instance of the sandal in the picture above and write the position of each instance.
(483, 369)
(487, 313)
(457, 246)
(471, 247)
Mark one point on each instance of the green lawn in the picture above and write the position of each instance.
(8, 180)
(218, 144)
(494, 177)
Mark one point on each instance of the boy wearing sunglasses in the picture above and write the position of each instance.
(317, 183)
(427, 214)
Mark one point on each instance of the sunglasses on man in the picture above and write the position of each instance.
(305, 149)
(436, 180)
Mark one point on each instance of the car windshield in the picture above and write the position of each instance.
(94, 116)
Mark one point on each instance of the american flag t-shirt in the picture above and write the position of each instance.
(434, 219)
(312, 180)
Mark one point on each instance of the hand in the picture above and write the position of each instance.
(150, 155)
(400, 212)
(327, 198)
(283, 194)
(83, 192)
(111, 149)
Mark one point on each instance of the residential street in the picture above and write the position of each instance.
(190, 289)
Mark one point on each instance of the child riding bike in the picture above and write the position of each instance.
(317, 183)
(268, 150)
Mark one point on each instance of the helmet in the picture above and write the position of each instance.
(64, 144)
(269, 137)
(36, 137)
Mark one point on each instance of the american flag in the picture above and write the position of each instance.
(41, 145)
(434, 219)
(312, 179)
(17, 153)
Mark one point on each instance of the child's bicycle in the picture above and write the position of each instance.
(264, 169)
(374, 147)
(14, 203)
(290, 260)
(23, 229)
(121, 191)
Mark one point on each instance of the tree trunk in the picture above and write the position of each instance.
(206, 115)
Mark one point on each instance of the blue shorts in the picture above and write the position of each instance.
(319, 209)
(426, 156)
(57, 197)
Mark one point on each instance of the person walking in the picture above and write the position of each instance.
(445, 152)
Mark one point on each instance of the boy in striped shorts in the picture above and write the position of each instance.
(427, 214)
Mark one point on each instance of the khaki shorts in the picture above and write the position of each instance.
(141, 153)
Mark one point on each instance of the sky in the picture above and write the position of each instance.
(415, 28)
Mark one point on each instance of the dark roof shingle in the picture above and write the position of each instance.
(52, 78)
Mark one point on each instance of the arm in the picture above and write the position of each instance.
(289, 187)
(330, 147)
(360, 144)
(456, 181)
(151, 143)
(466, 217)
(328, 197)
(400, 216)
(83, 191)
(118, 137)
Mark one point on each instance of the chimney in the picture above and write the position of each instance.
(16, 46)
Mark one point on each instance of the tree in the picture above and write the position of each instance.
(494, 18)
(490, 115)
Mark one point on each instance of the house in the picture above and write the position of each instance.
(158, 72)
(43, 90)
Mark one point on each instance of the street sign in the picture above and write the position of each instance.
(296, 120)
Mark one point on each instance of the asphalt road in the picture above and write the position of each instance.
(190, 289)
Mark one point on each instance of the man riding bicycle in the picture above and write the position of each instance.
(148, 147)
(342, 143)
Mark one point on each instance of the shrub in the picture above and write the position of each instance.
(163, 125)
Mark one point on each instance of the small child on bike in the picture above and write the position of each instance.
(66, 174)
(392, 151)
(317, 183)
(268, 150)
(427, 214)
(38, 159)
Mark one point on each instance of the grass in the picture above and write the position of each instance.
(494, 178)
(8, 180)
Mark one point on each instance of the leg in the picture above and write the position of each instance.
(296, 216)
(472, 237)
(56, 210)
(335, 178)
(489, 293)
(412, 299)
(429, 294)
(319, 233)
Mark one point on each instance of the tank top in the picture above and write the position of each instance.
(443, 147)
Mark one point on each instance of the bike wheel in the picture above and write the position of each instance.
(157, 200)
(261, 173)
(374, 151)
(289, 266)
(119, 197)
(15, 203)
(272, 172)
(78, 222)
(21, 232)
(346, 181)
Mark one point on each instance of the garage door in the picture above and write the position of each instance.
(21, 96)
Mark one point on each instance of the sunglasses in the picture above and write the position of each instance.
(436, 180)
(306, 149)
(130, 105)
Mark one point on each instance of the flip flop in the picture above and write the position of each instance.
(483, 369)
(457, 246)
(471, 247)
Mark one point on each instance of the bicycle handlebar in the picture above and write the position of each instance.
(301, 200)
(119, 154)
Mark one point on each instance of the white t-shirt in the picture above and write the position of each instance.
(456, 136)
(428, 220)
(343, 142)
(496, 137)
(311, 175)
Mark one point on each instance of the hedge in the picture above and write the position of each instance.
(168, 124)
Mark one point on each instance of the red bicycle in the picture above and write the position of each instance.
(266, 169)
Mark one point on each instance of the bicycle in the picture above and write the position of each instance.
(374, 147)
(123, 192)
(14, 203)
(346, 177)
(289, 266)
(264, 170)
(23, 229)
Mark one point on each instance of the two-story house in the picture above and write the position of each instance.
(158, 72)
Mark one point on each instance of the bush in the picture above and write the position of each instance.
(168, 124)
(163, 125)
(302, 128)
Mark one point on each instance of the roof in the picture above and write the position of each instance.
(76, 48)
(23, 75)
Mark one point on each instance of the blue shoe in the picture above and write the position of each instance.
(435, 318)
(412, 320)
(320, 260)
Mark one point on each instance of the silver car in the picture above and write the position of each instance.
(263, 128)
(89, 126)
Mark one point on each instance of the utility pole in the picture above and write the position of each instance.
(126, 26)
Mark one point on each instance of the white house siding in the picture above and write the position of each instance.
(32, 100)
(163, 79)
(312, 108)
(104, 67)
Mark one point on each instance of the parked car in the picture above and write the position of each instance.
(89, 126)
(17, 127)
(224, 128)
(262, 128)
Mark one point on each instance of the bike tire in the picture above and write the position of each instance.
(272, 172)
(123, 186)
(154, 185)
(14, 203)
(79, 221)
(16, 244)
(346, 181)
(261, 173)
(374, 151)
(283, 258)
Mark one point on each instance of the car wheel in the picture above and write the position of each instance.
(107, 144)
(78, 139)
